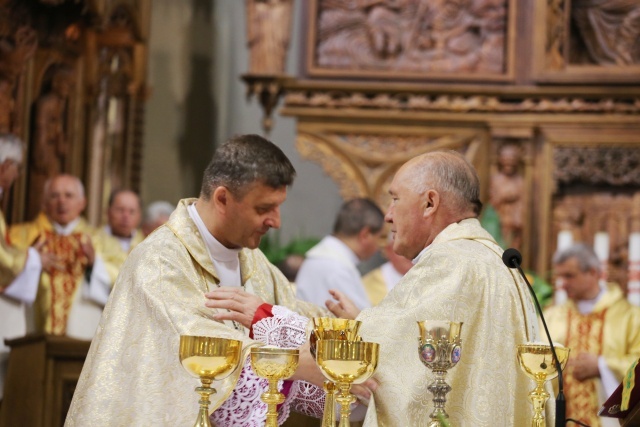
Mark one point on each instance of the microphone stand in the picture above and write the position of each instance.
(561, 404)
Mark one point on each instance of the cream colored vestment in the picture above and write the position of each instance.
(461, 277)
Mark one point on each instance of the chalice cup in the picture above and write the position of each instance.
(345, 363)
(440, 349)
(331, 328)
(208, 358)
(274, 364)
(537, 361)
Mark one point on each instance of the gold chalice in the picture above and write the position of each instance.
(209, 358)
(345, 363)
(332, 328)
(274, 364)
(440, 349)
(537, 361)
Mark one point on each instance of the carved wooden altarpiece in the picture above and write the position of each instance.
(74, 73)
(383, 81)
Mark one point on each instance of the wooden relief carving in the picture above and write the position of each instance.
(410, 37)
(460, 103)
(363, 164)
(616, 166)
(583, 36)
(606, 32)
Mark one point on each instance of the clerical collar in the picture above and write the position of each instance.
(587, 306)
(65, 230)
(417, 258)
(125, 242)
(217, 250)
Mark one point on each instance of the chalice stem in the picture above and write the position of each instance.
(439, 388)
(345, 399)
(272, 398)
(203, 414)
(538, 398)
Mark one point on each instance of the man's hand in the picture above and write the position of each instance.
(48, 260)
(242, 305)
(585, 366)
(87, 248)
(342, 307)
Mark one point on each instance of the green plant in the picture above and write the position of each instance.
(275, 251)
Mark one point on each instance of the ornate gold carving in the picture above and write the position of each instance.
(363, 164)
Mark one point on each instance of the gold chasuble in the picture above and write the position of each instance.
(375, 286)
(58, 289)
(12, 260)
(132, 375)
(611, 330)
(460, 277)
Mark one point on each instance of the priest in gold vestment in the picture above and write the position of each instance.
(19, 268)
(601, 328)
(458, 276)
(64, 303)
(132, 375)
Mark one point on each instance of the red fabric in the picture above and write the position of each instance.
(262, 312)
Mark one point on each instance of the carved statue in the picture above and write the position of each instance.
(49, 148)
(268, 34)
(506, 194)
(609, 29)
(14, 53)
(6, 104)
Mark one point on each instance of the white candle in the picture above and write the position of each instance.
(601, 248)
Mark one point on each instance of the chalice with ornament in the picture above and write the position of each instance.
(345, 363)
(210, 359)
(331, 328)
(274, 364)
(440, 349)
(538, 363)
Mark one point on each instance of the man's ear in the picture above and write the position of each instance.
(431, 202)
(221, 197)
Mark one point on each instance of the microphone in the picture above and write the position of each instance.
(513, 259)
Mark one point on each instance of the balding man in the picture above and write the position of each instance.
(63, 304)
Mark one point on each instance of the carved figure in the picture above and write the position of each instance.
(6, 104)
(506, 194)
(609, 29)
(50, 145)
(269, 30)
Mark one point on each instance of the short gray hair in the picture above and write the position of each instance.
(583, 253)
(450, 173)
(11, 148)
